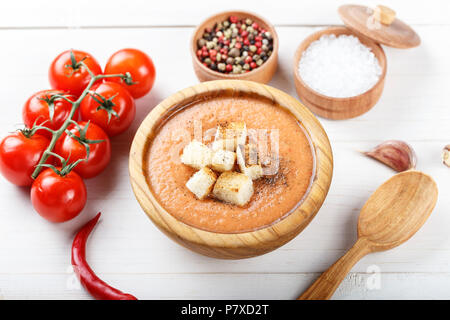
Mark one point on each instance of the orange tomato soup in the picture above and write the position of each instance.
(274, 197)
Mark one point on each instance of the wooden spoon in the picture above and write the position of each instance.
(392, 215)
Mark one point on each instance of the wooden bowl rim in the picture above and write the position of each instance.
(339, 30)
(288, 225)
(241, 76)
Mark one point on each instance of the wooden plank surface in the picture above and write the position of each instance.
(365, 286)
(127, 250)
(101, 13)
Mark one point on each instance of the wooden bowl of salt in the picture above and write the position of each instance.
(347, 97)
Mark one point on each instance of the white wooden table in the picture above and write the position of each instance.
(129, 252)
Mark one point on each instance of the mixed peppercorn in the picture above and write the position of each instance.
(235, 46)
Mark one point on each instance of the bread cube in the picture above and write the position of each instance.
(224, 144)
(233, 187)
(271, 165)
(202, 182)
(267, 142)
(196, 155)
(247, 159)
(223, 160)
(236, 131)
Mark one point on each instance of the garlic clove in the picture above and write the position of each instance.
(446, 155)
(396, 154)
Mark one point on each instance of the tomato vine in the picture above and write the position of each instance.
(56, 134)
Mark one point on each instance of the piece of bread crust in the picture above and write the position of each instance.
(247, 159)
(233, 187)
(236, 131)
(223, 160)
(224, 144)
(196, 155)
(202, 182)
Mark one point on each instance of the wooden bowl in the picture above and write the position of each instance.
(230, 245)
(261, 74)
(339, 108)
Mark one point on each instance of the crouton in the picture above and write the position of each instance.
(271, 165)
(223, 160)
(196, 155)
(268, 152)
(233, 187)
(224, 144)
(202, 182)
(236, 131)
(247, 159)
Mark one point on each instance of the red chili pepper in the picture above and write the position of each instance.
(99, 289)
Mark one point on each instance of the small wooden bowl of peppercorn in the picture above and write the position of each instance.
(235, 45)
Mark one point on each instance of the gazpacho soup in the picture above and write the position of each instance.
(230, 164)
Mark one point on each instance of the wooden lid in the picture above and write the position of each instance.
(380, 25)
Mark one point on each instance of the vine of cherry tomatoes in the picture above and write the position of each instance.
(90, 112)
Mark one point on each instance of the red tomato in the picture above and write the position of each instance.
(115, 114)
(138, 64)
(58, 198)
(36, 111)
(67, 75)
(19, 155)
(99, 155)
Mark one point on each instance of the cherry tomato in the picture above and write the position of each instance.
(138, 64)
(70, 76)
(19, 155)
(58, 198)
(99, 155)
(117, 111)
(36, 111)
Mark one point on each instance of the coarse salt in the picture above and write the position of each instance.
(339, 66)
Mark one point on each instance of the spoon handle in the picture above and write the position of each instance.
(325, 286)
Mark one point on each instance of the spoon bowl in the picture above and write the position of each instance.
(397, 209)
(392, 215)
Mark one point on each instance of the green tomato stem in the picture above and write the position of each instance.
(75, 105)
